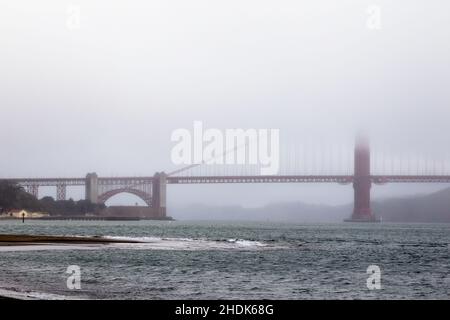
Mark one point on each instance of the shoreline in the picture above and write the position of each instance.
(7, 294)
(14, 240)
(89, 218)
(23, 239)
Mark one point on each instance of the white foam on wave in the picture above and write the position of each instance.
(139, 239)
(247, 243)
(150, 243)
(187, 243)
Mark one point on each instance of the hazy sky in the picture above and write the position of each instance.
(106, 94)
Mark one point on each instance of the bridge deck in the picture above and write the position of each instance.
(259, 179)
(343, 179)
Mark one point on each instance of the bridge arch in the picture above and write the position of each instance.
(141, 194)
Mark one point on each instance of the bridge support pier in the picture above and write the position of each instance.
(92, 187)
(159, 186)
(362, 183)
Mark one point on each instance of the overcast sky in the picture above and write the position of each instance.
(105, 95)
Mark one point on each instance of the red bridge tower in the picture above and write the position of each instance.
(362, 182)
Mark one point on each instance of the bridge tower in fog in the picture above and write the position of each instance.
(362, 182)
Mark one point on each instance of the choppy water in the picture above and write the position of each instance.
(213, 260)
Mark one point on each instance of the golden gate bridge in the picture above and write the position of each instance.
(153, 189)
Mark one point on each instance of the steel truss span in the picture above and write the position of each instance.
(410, 179)
(112, 182)
(259, 179)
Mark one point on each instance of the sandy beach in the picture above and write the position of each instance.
(22, 240)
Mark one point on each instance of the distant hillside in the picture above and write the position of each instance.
(425, 208)
(282, 212)
(433, 207)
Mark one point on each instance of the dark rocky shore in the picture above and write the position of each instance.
(16, 239)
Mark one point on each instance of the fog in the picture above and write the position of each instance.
(105, 92)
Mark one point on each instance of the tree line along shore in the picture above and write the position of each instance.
(14, 197)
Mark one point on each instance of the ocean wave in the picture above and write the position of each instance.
(167, 243)
(247, 243)
(154, 243)
(138, 239)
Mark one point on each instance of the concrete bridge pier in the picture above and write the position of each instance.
(159, 187)
(92, 187)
